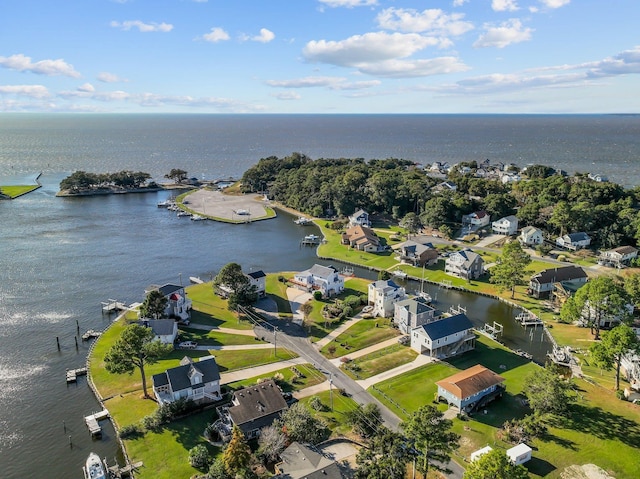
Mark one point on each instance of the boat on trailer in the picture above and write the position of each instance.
(94, 468)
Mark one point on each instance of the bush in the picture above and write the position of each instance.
(352, 301)
(199, 457)
(282, 279)
(317, 295)
(562, 257)
(151, 422)
(217, 470)
(620, 395)
(316, 404)
(332, 349)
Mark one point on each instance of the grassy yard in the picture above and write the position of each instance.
(362, 334)
(277, 291)
(380, 361)
(291, 381)
(334, 418)
(211, 309)
(14, 191)
(216, 338)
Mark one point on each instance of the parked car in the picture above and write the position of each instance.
(187, 344)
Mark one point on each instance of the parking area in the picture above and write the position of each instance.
(226, 207)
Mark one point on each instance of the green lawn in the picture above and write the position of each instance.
(13, 191)
(216, 338)
(277, 291)
(291, 381)
(362, 334)
(380, 361)
(211, 309)
(334, 418)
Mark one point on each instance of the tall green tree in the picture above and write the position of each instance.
(432, 437)
(495, 465)
(365, 420)
(134, 349)
(608, 353)
(601, 298)
(177, 175)
(237, 455)
(411, 222)
(154, 305)
(561, 216)
(302, 426)
(242, 292)
(509, 270)
(632, 287)
(547, 392)
(386, 456)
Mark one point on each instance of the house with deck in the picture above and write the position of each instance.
(531, 236)
(471, 388)
(198, 381)
(303, 461)
(476, 220)
(325, 279)
(618, 257)
(505, 226)
(362, 238)
(574, 241)
(464, 264)
(541, 284)
(251, 409)
(360, 217)
(178, 305)
(417, 254)
(444, 338)
(412, 313)
(382, 295)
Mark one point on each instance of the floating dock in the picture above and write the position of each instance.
(113, 306)
(72, 374)
(93, 424)
(90, 335)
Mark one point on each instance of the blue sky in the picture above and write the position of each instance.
(320, 56)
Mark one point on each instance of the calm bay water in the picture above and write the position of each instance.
(59, 258)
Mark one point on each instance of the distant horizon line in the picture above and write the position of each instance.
(92, 113)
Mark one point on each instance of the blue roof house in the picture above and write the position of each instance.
(445, 337)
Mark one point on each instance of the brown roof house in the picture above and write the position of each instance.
(252, 408)
(471, 388)
(362, 238)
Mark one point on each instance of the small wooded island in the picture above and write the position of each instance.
(82, 183)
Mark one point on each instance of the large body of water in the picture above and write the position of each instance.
(59, 258)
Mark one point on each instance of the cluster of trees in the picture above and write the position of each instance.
(236, 286)
(554, 202)
(81, 180)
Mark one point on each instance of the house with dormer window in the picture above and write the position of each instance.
(325, 279)
(361, 218)
(197, 381)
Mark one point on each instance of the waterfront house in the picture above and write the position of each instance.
(531, 236)
(362, 238)
(197, 381)
(383, 295)
(300, 461)
(476, 220)
(445, 337)
(360, 217)
(618, 257)
(471, 388)
(574, 241)
(412, 313)
(542, 284)
(251, 409)
(505, 226)
(178, 305)
(418, 254)
(165, 330)
(325, 279)
(464, 264)
(259, 280)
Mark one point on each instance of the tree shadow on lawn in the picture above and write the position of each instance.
(501, 410)
(601, 424)
(496, 359)
(189, 431)
(205, 318)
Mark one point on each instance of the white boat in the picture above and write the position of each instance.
(165, 204)
(242, 212)
(94, 468)
(399, 274)
(303, 221)
(198, 218)
(184, 213)
(195, 280)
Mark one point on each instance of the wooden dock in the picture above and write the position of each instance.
(90, 335)
(125, 471)
(113, 306)
(72, 374)
(528, 319)
(92, 422)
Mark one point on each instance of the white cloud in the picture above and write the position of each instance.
(415, 68)
(555, 3)
(86, 87)
(431, 20)
(23, 63)
(503, 35)
(142, 27)
(349, 3)
(622, 64)
(504, 5)
(306, 82)
(358, 85)
(288, 95)
(265, 36)
(216, 35)
(32, 91)
(107, 77)
(459, 3)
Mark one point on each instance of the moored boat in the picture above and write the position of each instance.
(303, 221)
(94, 467)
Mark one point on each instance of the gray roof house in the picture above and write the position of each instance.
(464, 264)
(300, 461)
(178, 305)
(252, 408)
(542, 284)
(325, 279)
(165, 330)
(418, 254)
(574, 241)
(413, 312)
(445, 337)
(198, 381)
(259, 280)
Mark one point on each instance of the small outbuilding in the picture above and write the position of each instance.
(519, 454)
(475, 455)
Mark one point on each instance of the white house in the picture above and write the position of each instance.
(259, 280)
(413, 312)
(325, 279)
(360, 217)
(464, 264)
(471, 388)
(383, 294)
(445, 337)
(178, 305)
(198, 381)
(531, 236)
(165, 330)
(519, 454)
(476, 220)
(574, 241)
(623, 255)
(505, 226)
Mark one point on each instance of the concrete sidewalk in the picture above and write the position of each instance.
(337, 332)
(245, 373)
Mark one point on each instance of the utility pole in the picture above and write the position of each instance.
(275, 339)
(331, 389)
